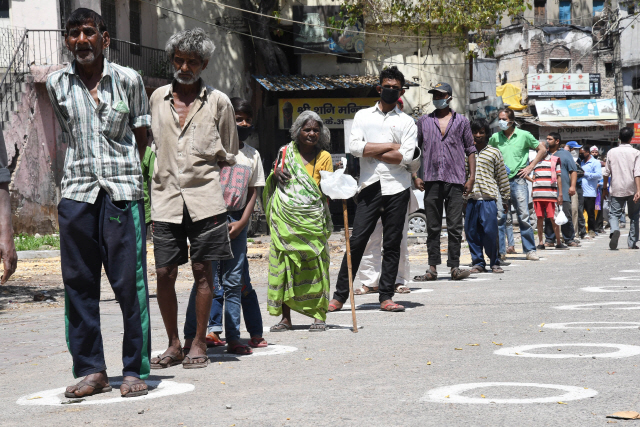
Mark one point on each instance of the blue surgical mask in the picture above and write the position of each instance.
(440, 103)
(503, 124)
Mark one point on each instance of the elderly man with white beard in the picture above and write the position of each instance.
(194, 128)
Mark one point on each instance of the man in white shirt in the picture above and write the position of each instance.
(623, 164)
(385, 139)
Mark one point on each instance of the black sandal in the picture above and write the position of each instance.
(318, 327)
(280, 327)
(130, 393)
(430, 276)
(457, 274)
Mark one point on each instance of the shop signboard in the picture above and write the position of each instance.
(578, 109)
(636, 134)
(333, 111)
(563, 84)
(313, 36)
(576, 132)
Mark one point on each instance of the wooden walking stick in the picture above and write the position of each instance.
(346, 236)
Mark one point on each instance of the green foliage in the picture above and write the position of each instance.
(26, 242)
(457, 18)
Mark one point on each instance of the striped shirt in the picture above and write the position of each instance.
(491, 176)
(102, 151)
(543, 189)
(443, 157)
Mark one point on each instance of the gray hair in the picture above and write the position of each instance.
(195, 41)
(324, 142)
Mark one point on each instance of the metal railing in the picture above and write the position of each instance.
(147, 61)
(13, 52)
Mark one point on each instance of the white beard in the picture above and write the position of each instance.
(182, 81)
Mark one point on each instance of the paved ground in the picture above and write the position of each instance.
(389, 373)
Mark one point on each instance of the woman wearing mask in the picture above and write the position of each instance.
(232, 283)
(300, 224)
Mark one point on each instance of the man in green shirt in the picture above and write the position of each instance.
(515, 145)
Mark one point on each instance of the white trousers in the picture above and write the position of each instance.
(371, 264)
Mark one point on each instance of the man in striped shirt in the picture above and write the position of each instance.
(547, 178)
(103, 111)
(481, 219)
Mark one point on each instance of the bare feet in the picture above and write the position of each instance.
(90, 385)
(171, 357)
(335, 305)
(132, 387)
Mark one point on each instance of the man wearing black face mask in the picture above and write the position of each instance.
(446, 141)
(385, 140)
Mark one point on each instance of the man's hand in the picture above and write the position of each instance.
(525, 172)
(418, 183)
(235, 228)
(559, 199)
(605, 193)
(282, 175)
(636, 197)
(468, 186)
(572, 191)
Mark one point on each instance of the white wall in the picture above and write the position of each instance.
(34, 14)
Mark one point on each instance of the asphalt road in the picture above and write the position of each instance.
(393, 371)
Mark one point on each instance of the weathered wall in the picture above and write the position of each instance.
(36, 160)
(34, 14)
(226, 69)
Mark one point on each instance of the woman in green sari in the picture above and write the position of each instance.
(300, 224)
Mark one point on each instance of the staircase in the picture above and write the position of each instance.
(13, 72)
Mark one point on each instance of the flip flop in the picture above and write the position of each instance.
(402, 289)
(280, 327)
(195, 365)
(458, 274)
(258, 342)
(159, 362)
(97, 389)
(239, 349)
(430, 276)
(392, 307)
(365, 290)
(130, 383)
(496, 269)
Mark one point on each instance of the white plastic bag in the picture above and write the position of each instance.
(560, 217)
(336, 185)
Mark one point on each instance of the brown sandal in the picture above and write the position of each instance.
(477, 269)
(430, 276)
(195, 365)
(130, 393)
(497, 269)
(160, 362)
(457, 274)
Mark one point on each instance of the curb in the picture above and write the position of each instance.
(38, 254)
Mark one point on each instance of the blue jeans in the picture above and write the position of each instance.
(481, 229)
(505, 229)
(235, 283)
(617, 209)
(520, 200)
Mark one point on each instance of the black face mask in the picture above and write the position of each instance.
(244, 132)
(581, 156)
(390, 96)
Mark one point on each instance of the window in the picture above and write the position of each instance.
(540, 12)
(565, 12)
(579, 68)
(635, 83)
(540, 68)
(108, 8)
(559, 65)
(608, 69)
(598, 6)
(4, 9)
(135, 23)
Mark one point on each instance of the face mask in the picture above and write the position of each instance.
(503, 124)
(440, 103)
(244, 132)
(581, 156)
(389, 96)
(595, 156)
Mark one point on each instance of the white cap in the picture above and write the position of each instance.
(594, 148)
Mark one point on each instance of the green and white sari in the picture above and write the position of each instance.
(300, 224)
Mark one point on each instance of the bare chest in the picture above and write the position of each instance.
(444, 122)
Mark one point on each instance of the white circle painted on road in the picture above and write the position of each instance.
(574, 325)
(635, 305)
(612, 288)
(629, 271)
(452, 394)
(624, 350)
(54, 396)
(420, 291)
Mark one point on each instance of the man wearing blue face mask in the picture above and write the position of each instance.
(515, 145)
(446, 141)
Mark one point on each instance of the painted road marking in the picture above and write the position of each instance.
(54, 396)
(635, 304)
(371, 307)
(624, 350)
(271, 350)
(420, 290)
(621, 288)
(329, 328)
(630, 325)
(629, 271)
(452, 394)
(629, 278)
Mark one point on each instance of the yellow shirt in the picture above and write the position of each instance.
(322, 162)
